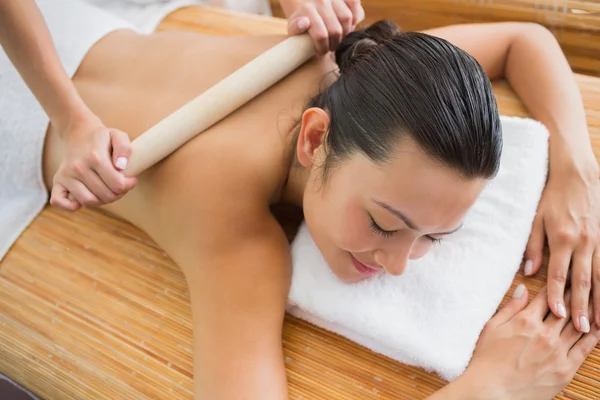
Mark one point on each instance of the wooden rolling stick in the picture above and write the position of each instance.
(217, 102)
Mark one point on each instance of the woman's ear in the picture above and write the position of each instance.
(313, 132)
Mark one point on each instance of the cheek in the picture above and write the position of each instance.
(351, 232)
(337, 220)
(420, 248)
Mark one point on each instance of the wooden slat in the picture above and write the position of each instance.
(91, 308)
(575, 24)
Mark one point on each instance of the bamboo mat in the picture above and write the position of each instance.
(575, 23)
(91, 308)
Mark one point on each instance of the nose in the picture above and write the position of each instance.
(394, 259)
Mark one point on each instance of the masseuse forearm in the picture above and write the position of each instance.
(26, 40)
(540, 74)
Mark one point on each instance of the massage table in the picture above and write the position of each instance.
(92, 308)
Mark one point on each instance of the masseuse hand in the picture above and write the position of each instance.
(522, 354)
(327, 21)
(569, 216)
(89, 174)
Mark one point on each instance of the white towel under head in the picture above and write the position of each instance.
(432, 315)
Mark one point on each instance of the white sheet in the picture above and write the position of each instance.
(75, 27)
(147, 14)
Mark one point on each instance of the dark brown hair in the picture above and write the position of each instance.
(396, 84)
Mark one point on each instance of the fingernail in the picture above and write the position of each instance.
(303, 23)
(528, 267)
(561, 310)
(121, 163)
(584, 324)
(519, 291)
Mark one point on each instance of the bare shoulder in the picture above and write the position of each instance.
(213, 193)
(235, 241)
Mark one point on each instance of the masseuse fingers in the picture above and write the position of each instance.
(332, 24)
(121, 148)
(557, 324)
(98, 187)
(511, 308)
(358, 13)
(535, 247)
(317, 30)
(59, 198)
(307, 18)
(570, 334)
(581, 281)
(81, 193)
(114, 181)
(558, 267)
(298, 25)
(344, 17)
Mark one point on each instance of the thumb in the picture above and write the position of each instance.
(298, 25)
(512, 307)
(121, 148)
(535, 247)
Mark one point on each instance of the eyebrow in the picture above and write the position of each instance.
(407, 221)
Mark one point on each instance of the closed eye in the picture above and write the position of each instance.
(379, 230)
(434, 240)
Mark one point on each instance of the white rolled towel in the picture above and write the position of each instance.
(433, 314)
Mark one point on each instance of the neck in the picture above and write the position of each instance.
(297, 176)
(293, 190)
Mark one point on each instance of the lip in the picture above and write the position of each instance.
(364, 269)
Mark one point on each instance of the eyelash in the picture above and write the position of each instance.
(377, 229)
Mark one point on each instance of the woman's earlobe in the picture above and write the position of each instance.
(306, 147)
(313, 133)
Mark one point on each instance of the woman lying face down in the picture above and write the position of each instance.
(386, 159)
(396, 151)
(390, 158)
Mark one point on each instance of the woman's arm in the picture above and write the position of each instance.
(238, 279)
(89, 172)
(530, 58)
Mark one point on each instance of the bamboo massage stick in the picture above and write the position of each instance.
(217, 102)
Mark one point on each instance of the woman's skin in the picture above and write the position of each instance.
(26, 40)
(207, 205)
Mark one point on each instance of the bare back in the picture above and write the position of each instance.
(133, 81)
(207, 204)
